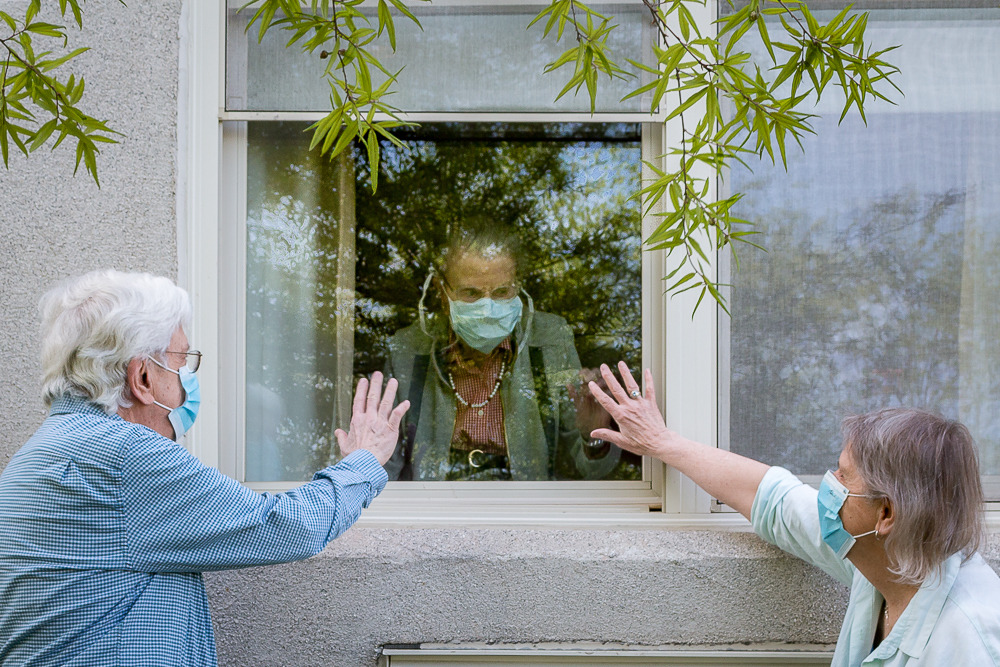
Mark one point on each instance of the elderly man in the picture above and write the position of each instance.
(106, 523)
(487, 376)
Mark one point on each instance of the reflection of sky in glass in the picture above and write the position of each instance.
(876, 287)
(462, 60)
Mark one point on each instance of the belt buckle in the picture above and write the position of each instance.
(472, 455)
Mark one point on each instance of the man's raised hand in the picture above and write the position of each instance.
(374, 422)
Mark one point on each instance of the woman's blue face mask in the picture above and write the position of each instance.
(832, 495)
(182, 417)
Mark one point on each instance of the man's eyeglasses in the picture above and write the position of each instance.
(471, 294)
(193, 359)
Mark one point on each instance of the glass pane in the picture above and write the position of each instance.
(878, 287)
(466, 58)
(534, 244)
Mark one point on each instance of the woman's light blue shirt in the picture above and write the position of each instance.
(954, 619)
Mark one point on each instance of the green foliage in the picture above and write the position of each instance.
(705, 76)
(359, 111)
(35, 103)
(725, 105)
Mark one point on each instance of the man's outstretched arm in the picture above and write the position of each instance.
(182, 516)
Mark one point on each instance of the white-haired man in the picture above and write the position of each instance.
(106, 523)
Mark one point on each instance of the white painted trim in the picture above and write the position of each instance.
(583, 517)
(691, 393)
(200, 67)
(418, 8)
(455, 117)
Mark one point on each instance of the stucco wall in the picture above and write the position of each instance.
(53, 225)
(371, 586)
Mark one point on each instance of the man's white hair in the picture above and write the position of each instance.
(94, 325)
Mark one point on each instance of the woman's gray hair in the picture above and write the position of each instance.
(928, 468)
(94, 325)
(482, 236)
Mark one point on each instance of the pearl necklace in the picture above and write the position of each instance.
(477, 406)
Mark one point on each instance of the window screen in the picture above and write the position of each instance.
(878, 287)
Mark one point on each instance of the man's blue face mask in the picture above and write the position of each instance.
(483, 324)
(182, 417)
(832, 495)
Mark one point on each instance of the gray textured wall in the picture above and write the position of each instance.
(370, 587)
(53, 225)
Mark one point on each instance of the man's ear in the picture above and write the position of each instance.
(137, 382)
(886, 518)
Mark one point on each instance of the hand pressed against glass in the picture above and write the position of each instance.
(374, 422)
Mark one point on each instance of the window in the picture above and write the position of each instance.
(878, 286)
(327, 282)
(336, 274)
(875, 290)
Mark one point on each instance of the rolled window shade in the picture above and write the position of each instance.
(465, 59)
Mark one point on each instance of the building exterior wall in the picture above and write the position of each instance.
(371, 586)
(54, 225)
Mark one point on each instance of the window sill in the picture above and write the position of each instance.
(580, 517)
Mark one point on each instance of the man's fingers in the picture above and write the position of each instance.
(396, 416)
(388, 399)
(630, 383)
(613, 386)
(374, 393)
(359, 397)
(606, 401)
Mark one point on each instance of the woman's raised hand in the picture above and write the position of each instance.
(641, 427)
(374, 422)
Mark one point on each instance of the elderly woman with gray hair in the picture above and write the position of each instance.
(106, 522)
(899, 521)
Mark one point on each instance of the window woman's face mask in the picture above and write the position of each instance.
(483, 302)
(485, 323)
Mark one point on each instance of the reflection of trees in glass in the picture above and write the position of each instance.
(564, 187)
(844, 316)
(567, 197)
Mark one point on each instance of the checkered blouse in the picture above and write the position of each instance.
(106, 526)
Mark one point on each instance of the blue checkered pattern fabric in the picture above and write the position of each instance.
(106, 527)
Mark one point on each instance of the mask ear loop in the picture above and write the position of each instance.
(422, 316)
(527, 325)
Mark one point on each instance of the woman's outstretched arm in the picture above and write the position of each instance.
(731, 478)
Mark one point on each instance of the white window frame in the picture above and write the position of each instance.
(681, 350)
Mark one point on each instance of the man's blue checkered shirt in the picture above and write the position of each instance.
(106, 526)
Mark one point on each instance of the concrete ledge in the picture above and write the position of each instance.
(373, 587)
